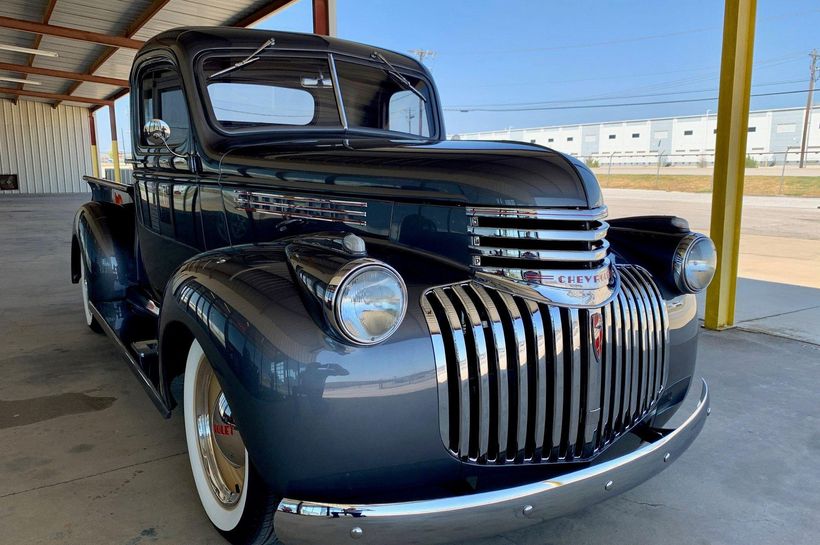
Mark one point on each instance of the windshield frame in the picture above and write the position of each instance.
(342, 130)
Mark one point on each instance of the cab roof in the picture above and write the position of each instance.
(188, 42)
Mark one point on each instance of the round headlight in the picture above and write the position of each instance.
(370, 301)
(695, 262)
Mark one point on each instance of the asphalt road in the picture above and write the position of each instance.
(780, 239)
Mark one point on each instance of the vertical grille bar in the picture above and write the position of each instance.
(606, 373)
(661, 329)
(522, 390)
(592, 414)
(626, 342)
(573, 336)
(462, 373)
(649, 336)
(540, 375)
(442, 377)
(500, 370)
(634, 354)
(557, 364)
(653, 328)
(617, 362)
(643, 352)
(483, 390)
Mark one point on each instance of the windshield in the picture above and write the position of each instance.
(288, 92)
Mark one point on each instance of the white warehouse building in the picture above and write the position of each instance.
(688, 140)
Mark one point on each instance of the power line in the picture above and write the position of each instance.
(587, 45)
(619, 105)
(611, 97)
(707, 74)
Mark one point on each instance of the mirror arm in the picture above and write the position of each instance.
(165, 141)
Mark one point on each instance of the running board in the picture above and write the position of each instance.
(133, 360)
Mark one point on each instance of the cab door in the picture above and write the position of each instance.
(166, 186)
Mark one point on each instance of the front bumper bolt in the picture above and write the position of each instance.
(356, 533)
(527, 511)
(666, 457)
(609, 485)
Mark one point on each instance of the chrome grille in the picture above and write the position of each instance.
(515, 241)
(300, 207)
(519, 381)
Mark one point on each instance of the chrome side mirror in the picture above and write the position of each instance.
(156, 132)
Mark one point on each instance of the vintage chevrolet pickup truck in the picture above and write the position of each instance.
(376, 334)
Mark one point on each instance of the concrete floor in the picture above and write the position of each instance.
(85, 457)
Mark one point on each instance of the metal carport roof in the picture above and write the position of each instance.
(95, 42)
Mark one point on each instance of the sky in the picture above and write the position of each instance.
(557, 56)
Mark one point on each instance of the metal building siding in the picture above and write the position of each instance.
(48, 148)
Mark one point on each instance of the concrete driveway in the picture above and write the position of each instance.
(85, 457)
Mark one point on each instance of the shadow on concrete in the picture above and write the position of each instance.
(777, 309)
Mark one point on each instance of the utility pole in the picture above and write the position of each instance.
(422, 54)
(812, 77)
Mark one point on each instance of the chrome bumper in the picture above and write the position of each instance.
(486, 513)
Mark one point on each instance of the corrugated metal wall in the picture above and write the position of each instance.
(48, 148)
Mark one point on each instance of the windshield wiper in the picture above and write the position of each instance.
(247, 60)
(397, 75)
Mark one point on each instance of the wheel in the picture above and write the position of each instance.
(90, 320)
(235, 498)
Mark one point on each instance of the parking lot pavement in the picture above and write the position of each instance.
(85, 457)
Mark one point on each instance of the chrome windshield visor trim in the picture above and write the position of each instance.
(486, 513)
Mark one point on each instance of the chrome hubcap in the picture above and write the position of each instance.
(220, 444)
(227, 438)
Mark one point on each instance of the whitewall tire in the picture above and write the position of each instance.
(236, 500)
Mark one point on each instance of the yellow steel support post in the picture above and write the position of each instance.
(730, 157)
(95, 158)
(115, 152)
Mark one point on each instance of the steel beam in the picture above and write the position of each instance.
(26, 69)
(54, 96)
(265, 11)
(70, 33)
(730, 157)
(132, 29)
(323, 23)
(39, 38)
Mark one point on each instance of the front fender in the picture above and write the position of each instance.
(104, 238)
(319, 417)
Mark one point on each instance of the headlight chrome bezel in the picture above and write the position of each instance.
(348, 272)
(681, 258)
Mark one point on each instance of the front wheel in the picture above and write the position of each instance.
(233, 494)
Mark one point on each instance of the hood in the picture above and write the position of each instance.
(480, 173)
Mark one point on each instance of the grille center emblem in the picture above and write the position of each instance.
(596, 327)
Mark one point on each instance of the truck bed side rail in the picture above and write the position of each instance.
(104, 190)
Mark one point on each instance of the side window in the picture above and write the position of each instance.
(408, 113)
(161, 97)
